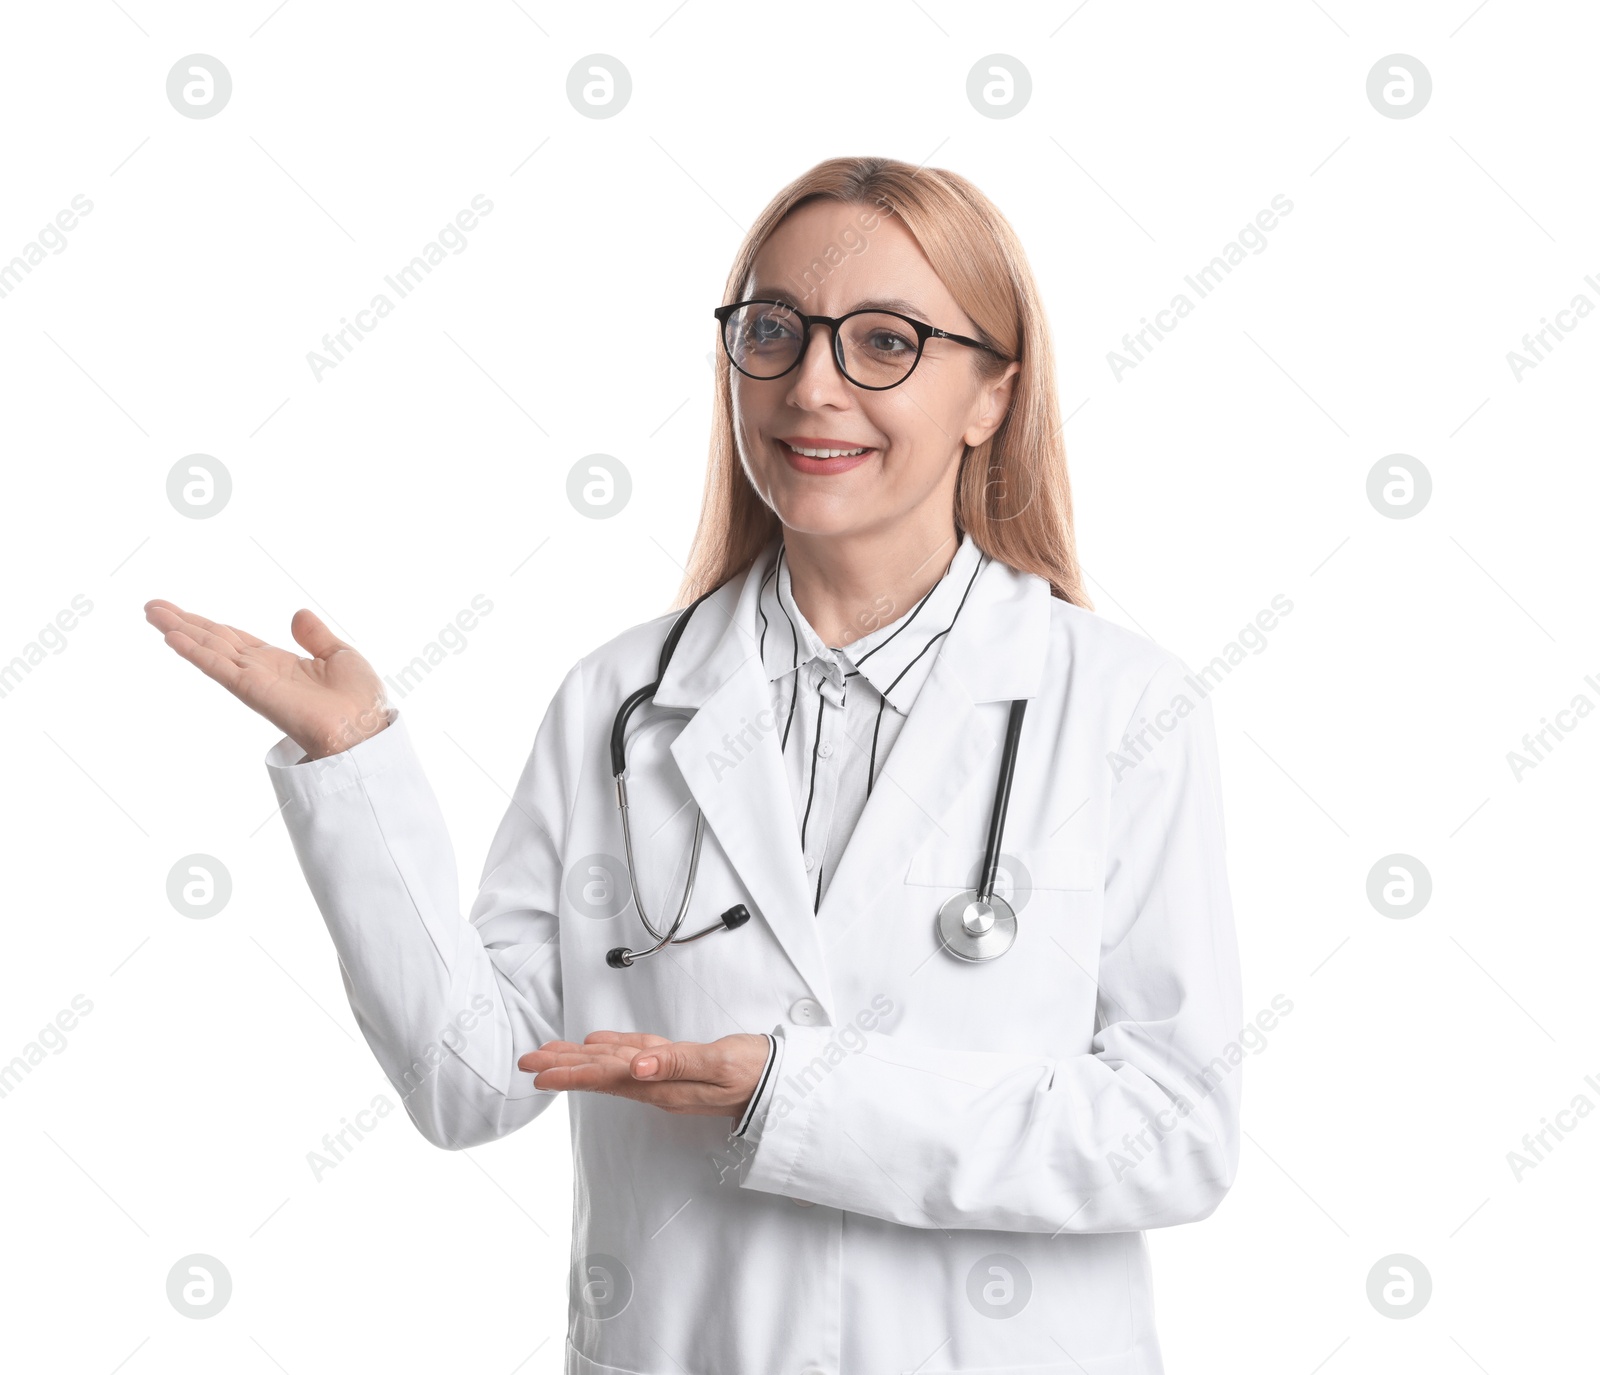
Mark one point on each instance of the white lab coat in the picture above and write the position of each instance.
(956, 1166)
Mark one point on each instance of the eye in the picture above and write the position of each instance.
(771, 325)
(766, 327)
(888, 342)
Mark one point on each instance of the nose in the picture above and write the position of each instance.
(817, 382)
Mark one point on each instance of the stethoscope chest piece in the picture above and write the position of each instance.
(972, 928)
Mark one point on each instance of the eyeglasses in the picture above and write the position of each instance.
(875, 349)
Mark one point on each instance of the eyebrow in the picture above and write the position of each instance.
(894, 303)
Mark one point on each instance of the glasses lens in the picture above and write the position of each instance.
(763, 339)
(879, 350)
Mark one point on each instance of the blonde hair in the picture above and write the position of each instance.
(1012, 495)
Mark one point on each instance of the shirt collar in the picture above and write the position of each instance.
(895, 658)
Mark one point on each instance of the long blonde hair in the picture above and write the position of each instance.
(1012, 495)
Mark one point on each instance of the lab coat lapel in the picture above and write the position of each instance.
(729, 756)
(951, 741)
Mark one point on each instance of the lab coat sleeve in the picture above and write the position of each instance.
(447, 1005)
(760, 1098)
(1142, 1131)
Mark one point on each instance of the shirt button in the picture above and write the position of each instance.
(803, 1202)
(825, 750)
(805, 1012)
(810, 864)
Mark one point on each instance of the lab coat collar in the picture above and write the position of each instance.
(895, 658)
(729, 757)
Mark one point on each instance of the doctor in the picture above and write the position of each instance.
(959, 1018)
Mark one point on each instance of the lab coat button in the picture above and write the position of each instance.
(825, 750)
(803, 1202)
(805, 1012)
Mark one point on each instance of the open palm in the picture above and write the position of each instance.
(325, 703)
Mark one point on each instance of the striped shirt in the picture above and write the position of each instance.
(840, 709)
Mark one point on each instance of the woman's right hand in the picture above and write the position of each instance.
(325, 704)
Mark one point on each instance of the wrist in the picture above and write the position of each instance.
(348, 735)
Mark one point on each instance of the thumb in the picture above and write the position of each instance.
(311, 634)
(674, 1061)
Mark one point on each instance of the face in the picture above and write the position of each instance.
(913, 434)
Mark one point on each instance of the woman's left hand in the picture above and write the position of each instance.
(710, 1078)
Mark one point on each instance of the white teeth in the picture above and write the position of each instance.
(825, 453)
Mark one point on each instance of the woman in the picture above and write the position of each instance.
(855, 1130)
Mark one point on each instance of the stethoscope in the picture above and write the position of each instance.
(974, 925)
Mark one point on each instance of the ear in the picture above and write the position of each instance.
(994, 400)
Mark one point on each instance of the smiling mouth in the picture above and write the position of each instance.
(806, 451)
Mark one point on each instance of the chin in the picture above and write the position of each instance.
(833, 516)
(822, 523)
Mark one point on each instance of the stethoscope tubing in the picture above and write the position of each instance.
(688, 887)
(1002, 799)
(736, 916)
(622, 956)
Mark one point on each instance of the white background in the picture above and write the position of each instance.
(430, 466)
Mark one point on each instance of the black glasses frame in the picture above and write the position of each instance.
(924, 332)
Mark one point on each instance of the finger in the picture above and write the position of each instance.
(611, 1077)
(543, 1059)
(311, 634)
(221, 645)
(594, 1077)
(162, 613)
(610, 1050)
(228, 632)
(238, 639)
(595, 1071)
(524, 1061)
(220, 667)
(674, 1060)
(636, 1038)
(167, 619)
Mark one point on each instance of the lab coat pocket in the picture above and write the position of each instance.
(1042, 990)
(1020, 873)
